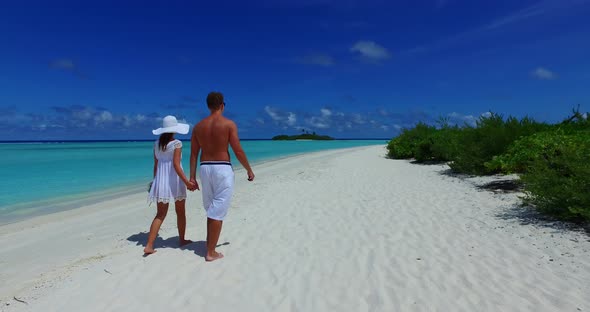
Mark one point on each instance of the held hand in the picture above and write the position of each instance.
(190, 186)
(251, 175)
(195, 185)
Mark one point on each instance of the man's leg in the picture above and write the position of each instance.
(181, 222)
(155, 228)
(213, 231)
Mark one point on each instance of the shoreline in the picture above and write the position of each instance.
(33, 209)
(83, 201)
(372, 233)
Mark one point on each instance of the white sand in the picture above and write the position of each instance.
(330, 231)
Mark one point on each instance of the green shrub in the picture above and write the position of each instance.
(406, 145)
(425, 143)
(399, 148)
(557, 181)
(445, 143)
(519, 155)
(491, 137)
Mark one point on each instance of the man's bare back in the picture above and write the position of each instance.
(213, 135)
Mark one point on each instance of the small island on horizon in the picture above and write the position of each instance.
(303, 136)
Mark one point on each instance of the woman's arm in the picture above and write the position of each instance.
(176, 163)
(155, 164)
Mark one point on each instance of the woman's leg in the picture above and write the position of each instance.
(155, 228)
(181, 221)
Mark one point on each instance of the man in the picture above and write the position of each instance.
(212, 136)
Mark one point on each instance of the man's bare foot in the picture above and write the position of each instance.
(148, 251)
(184, 242)
(215, 256)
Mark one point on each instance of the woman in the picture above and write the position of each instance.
(170, 182)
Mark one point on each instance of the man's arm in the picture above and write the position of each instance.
(195, 149)
(234, 142)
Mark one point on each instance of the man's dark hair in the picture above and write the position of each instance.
(214, 100)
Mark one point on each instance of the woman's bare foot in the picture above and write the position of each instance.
(212, 257)
(184, 242)
(148, 251)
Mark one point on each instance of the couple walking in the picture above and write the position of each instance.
(211, 137)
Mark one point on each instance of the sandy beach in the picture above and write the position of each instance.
(340, 230)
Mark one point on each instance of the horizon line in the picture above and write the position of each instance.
(150, 140)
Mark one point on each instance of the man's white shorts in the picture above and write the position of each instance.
(217, 179)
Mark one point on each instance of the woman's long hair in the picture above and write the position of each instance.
(165, 138)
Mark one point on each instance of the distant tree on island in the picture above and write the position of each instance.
(304, 136)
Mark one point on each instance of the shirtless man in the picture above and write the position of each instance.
(212, 136)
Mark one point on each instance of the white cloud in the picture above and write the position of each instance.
(383, 112)
(371, 51)
(127, 122)
(470, 120)
(516, 16)
(323, 120)
(272, 113)
(460, 119)
(358, 119)
(85, 113)
(85, 120)
(291, 119)
(103, 117)
(318, 122)
(281, 118)
(40, 127)
(67, 65)
(543, 74)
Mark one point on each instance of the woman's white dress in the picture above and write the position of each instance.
(167, 185)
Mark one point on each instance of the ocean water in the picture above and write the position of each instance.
(40, 178)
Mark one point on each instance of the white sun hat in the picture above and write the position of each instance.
(171, 125)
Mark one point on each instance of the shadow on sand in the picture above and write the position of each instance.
(527, 215)
(522, 213)
(505, 186)
(452, 173)
(429, 162)
(198, 247)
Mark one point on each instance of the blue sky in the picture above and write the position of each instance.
(350, 69)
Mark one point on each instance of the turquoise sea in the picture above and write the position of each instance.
(40, 178)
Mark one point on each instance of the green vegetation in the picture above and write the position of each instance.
(553, 160)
